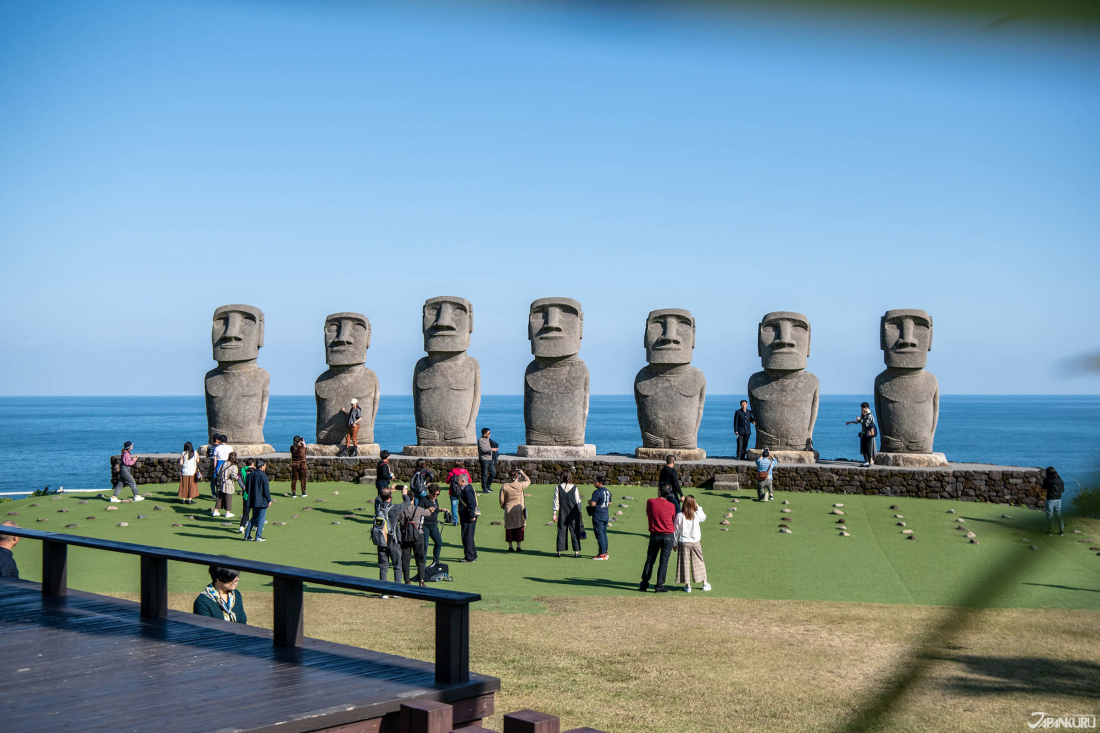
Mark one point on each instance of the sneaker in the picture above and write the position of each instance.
(229, 514)
(240, 530)
(215, 513)
(384, 597)
(599, 557)
(865, 465)
(139, 497)
(304, 494)
(114, 500)
(706, 586)
(687, 589)
(261, 539)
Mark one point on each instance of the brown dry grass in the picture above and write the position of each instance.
(718, 664)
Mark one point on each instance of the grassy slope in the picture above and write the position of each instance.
(753, 560)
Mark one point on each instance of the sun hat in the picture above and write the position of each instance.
(354, 401)
(127, 445)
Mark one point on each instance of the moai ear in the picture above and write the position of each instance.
(882, 333)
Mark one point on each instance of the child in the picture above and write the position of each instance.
(689, 563)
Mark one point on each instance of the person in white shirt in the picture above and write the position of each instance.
(567, 513)
(189, 474)
(689, 563)
(221, 451)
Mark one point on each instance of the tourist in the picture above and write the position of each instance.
(221, 599)
(125, 478)
(189, 474)
(382, 473)
(567, 513)
(765, 464)
(431, 524)
(228, 476)
(384, 536)
(246, 510)
(355, 416)
(661, 513)
(259, 498)
(221, 454)
(468, 512)
(411, 519)
(1054, 486)
(689, 564)
(598, 509)
(743, 419)
(8, 568)
(515, 509)
(421, 479)
(867, 433)
(487, 453)
(453, 486)
(299, 469)
(669, 476)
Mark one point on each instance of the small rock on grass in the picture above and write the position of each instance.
(845, 534)
(907, 531)
(34, 505)
(307, 509)
(295, 516)
(629, 498)
(62, 511)
(619, 513)
(736, 501)
(786, 531)
(624, 506)
(70, 526)
(841, 527)
(1033, 547)
(177, 525)
(349, 516)
(1006, 516)
(122, 524)
(281, 524)
(950, 511)
(1076, 531)
(91, 517)
(841, 521)
(40, 520)
(528, 496)
(112, 508)
(959, 526)
(729, 514)
(1025, 539)
(786, 501)
(190, 516)
(495, 523)
(838, 506)
(320, 500)
(158, 508)
(901, 524)
(974, 542)
(142, 516)
(12, 514)
(724, 521)
(733, 508)
(970, 535)
(784, 525)
(229, 524)
(335, 522)
(836, 511)
(549, 523)
(960, 519)
(895, 507)
(785, 511)
(911, 537)
(82, 501)
(724, 529)
(335, 493)
(898, 516)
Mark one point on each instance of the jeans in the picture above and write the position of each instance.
(488, 473)
(742, 445)
(125, 478)
(454, 510)
(388, 556)
(599, 526)
(437, 540)
(658, 543)
(214, 480)
(259, 515)
(469, 548)
(675, 502)
(1054, 508)
(763, 489)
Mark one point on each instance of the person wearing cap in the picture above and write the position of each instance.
(355, 415)
(125, 478)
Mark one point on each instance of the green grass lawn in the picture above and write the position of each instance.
(753, 560)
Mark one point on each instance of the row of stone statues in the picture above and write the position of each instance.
(669, 392)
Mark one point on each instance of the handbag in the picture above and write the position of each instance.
(761, 475)
(525, 513)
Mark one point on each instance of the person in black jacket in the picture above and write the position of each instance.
(1054, 486)
(221, 599)
(382, 474)
(743, 419)
(467, 514)
(259, 498)
(670, 477)
(8, 568)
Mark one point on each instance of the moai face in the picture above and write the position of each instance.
(669, 336)
(783, 341)
(448, 322)
(238, 333)
(555, 327)
(905, 337)
(347, 338)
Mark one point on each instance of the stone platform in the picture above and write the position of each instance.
(365, 449)
(785, 456)
(244, 450)
(659, 454)
(440, 451)
(911, 460)
(588, 450)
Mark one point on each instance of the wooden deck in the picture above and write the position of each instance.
(84, 662)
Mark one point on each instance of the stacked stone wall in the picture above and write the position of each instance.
(1001, 485)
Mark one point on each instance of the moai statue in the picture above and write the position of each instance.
(446, 383)
(347, 338)
(907, 398)
(669, 392)
(237, 389)
(555, 385)
(784, 397)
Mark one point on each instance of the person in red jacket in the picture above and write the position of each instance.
(662, 526)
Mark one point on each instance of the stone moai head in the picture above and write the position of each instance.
(905, 337)
(347, 338)
(783, 341)
(238, 333)
(448, 323)
(669, 336)
(555, 327)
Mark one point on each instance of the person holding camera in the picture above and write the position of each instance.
(515, 509)
(431, 523)
(867, 434)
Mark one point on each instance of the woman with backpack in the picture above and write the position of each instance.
(567, 513)
(227, 477)
(410, 524)
(421, 479)
(515, 509)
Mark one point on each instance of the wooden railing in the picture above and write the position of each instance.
(452, 608)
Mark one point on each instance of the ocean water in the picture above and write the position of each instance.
(66, 441)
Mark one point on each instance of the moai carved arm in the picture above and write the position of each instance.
(416, 399)
(584, 419)
(813, 414)
(475, 403)
(702, 400)
(935, 409)
(374, 406)
(879, 413)
(263, 404)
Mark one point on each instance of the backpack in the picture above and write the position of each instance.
(407, 531)
(435, 573)
(419, 484)
(380, 532)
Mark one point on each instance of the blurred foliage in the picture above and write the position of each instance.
(1087, 503)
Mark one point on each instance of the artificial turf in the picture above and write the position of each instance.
(753, 559)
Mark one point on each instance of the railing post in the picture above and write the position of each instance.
(288, 612)
(531, 721)
(55, 569)
(426, 716)
(154, 587)
(452, 643)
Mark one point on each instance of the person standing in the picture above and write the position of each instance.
(868, 431)
(259, 498)
(421, 480)
(515, 509)
(567, 513)
(384, 536)
(189, 474)
(382, 473)
(228, 475)
(355, 416)
(8, 568)
(661, 513)
(487, 452)
(1054, 486)
(743, 420)
(246, 510)
(431, 524)
(468, 512)
(410, 522)
(672, 478)
(125, 478)
(221, 454)
(453, 477)
(765, 464)
(689, 564)
(598, 508)
(221, 599)
(299, 469)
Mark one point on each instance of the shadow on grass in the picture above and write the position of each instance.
(1013, 675)
(586, 582)
(1064, 587)
(226, 536)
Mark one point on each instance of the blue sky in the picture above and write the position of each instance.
(160, 159)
